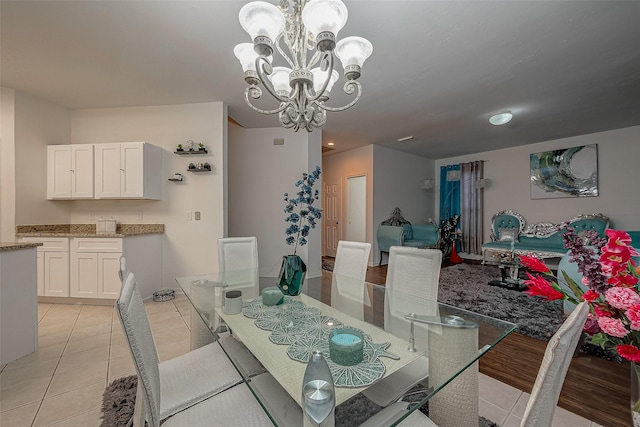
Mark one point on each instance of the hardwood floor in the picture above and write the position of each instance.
(595, 388)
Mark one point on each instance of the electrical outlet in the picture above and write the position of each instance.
(139, 215)
(197, 215)
(188, 216)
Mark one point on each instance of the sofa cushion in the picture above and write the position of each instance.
(408, 231)
(508, 234)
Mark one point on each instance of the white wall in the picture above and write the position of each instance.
(189, 247)
(394, 179)
(38, 123)
(7, 165)
(259, 174)
(398, 183)
(618, 182)
(337, 168)
(29, 124)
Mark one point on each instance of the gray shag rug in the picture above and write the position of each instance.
(466, 286)
(119, 398)
(119, 401)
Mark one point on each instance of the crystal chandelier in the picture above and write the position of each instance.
(308, 29)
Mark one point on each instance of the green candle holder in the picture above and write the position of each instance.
(272, 296)
(346, 346)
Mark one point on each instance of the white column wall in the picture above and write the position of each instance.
(259, 174)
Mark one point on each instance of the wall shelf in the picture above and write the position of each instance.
(190, 152)
(175, 179)
(206, 168)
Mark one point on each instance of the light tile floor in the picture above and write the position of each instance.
(82, 349)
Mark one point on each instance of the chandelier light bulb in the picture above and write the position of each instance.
(264, 22)
(247, 56)
(352, 52)
(280, 79)
(320, 76)
(324, 18)
(500, 118)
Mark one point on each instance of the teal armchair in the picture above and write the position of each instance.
(416, 235)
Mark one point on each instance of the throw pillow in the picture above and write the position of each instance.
(508, 234)
(408, 231)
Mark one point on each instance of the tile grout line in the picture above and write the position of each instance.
(35, 416)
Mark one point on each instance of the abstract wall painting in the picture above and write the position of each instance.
(569, 172)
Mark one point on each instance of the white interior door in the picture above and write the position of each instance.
(330, 220)
(357, 209)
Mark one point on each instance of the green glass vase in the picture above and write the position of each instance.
(291, 275)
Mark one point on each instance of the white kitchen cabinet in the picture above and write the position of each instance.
(56, 274)
(94, 267)
(40, 273)
(52, 265)
(70, 173)
(128, 170)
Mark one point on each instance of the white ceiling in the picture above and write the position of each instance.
(438, 71)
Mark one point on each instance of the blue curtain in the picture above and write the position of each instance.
(449, 191)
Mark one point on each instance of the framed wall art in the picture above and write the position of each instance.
(569, 172)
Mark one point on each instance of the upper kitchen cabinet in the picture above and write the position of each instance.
(70, 172)
(129, 170)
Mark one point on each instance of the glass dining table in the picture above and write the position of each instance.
(401, 330)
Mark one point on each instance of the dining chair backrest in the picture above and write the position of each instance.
(135, 324)
(237, 253)
(351, 259)
(349, 291)
(411, 272)
(555, 363)
(122, 272)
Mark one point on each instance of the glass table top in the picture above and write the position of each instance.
(282, 337)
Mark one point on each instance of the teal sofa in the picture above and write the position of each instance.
(414, 235)
(542, 239)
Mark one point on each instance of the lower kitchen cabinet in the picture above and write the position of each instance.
(52, 264)
(87, 267)
(94, 267)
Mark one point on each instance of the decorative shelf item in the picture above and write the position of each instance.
(177, 177)
(200, 167)
(189, 152)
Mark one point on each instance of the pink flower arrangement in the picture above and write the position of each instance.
(611, 278)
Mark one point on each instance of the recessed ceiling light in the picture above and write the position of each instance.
(330, 143)
(500, 118)
(406, 138)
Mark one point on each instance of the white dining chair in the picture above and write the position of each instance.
(553, 370)
(240, 254)
(349, 293)
(174, 385)
(411, 272)
(352, 259)
(237, 253)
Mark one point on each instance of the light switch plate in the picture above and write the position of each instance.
(197, 215)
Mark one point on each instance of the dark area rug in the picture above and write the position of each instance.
(119, 398)
(118, 402)
(358, 409)
(465, 286)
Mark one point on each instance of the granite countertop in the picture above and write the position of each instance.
(14, 246)
(86, 230)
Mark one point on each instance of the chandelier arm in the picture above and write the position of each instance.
(265, 80)
(314, 59)
(348, 89)
(326, 81)
(256, 90)
(282, 53)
